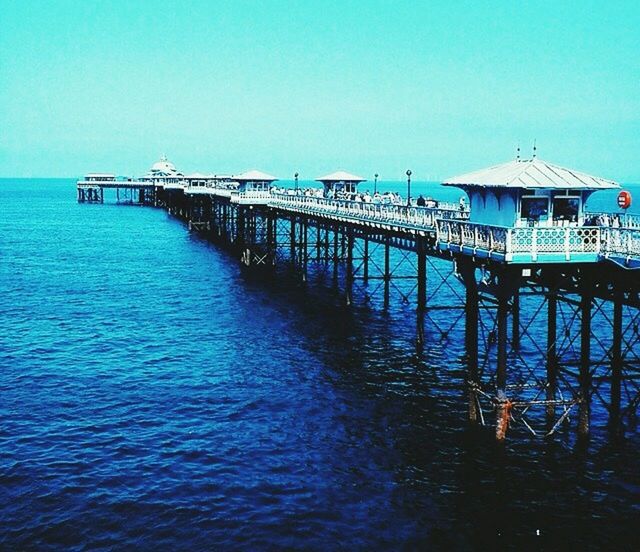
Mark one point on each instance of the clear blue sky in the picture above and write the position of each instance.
(311, 86)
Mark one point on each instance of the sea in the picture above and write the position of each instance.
(155, 397)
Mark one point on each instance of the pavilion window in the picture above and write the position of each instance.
(566, 208)
(534, 208)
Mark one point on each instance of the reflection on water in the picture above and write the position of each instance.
(152, 396)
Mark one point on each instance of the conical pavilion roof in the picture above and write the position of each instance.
(254, 176)
(531, 173)
(340, 176)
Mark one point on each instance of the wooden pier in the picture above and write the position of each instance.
(524, 256)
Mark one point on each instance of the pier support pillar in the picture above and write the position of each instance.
(272, 237)
(365, 260)
(502, 314)
(387, 271)
(422, 273)
(336, 232)
(467, 270)
(422, 289)
(326, 244)
(551, 357)
(292, 242)
(318, 242)
(304, 249)
(515, 320)
(349, 279)
(584, 413)
(616, 366)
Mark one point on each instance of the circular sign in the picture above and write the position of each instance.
(624, 199)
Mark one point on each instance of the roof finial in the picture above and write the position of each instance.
(518, 152)
(534, 148)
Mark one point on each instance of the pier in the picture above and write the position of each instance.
(524, 254)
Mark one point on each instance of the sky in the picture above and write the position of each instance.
(440, 87)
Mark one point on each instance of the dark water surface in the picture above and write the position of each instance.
(152, 397)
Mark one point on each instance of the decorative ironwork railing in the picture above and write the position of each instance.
(536, 242)
(477, 236)
(623, 242)
(401, 215)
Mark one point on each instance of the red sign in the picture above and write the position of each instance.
(624, 199)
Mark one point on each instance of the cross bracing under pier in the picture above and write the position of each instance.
(467, 287)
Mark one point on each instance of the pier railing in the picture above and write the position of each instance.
(621, 242)
(582, 243)
(253, 197)
(401, 215)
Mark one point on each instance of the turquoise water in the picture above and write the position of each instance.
(153, 397)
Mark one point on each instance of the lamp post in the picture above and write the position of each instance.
(409, 188)
(296, 177)
(375, 184)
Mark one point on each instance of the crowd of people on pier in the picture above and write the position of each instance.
(608, 220)
(377, 198)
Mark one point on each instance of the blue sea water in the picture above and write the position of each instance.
(153, 397)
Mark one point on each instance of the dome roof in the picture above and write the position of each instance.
(164, 165)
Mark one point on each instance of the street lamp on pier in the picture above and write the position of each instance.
(296, 178)
(409, 188)
(375, 184)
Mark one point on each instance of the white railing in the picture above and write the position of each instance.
(476, 236)
(251, 197)
(534, 242)
(623, 242)
(400, 215)
(114, 183)
(221, 192)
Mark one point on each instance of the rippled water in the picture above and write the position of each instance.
(150, 396)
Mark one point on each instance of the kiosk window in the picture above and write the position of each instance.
(566, 208)
(534, 208)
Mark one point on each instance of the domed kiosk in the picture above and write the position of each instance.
(526, 211)
(163, 171)
(340, 181)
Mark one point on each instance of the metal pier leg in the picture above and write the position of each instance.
(326, 244)
(335, 253)
(387, 271)
(318, 245)
(365, 261)
(616, 366)
(349, 283)
(422, 290)
(422, 274)
(467, 271)
(304, 249)
(515, 315)
(552, 359)
(225, 232)
(292, 242)
(503, 408)
(584, 414)
(272, 243)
